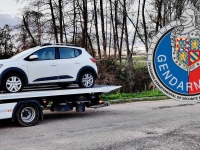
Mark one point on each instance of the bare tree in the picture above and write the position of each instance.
(102, 28)
(144, 25)
(53, 21)
(96, 28)
(60, 20)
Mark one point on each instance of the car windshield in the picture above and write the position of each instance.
(21, 54)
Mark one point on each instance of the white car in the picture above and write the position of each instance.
(47, 64)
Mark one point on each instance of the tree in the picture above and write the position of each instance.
(6, 45)
(103, 28)
(53, 20)
(144, 25)
(96, 28)
(61, 20)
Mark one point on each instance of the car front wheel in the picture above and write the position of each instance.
(13, 83)
(86, 80)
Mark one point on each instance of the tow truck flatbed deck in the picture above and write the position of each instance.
(26, 107)
(57, 92)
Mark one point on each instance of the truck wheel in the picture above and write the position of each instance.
(27, 114)
(12, 83)
(86, 80)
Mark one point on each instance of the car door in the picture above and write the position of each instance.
(69, 64)
(43, 69)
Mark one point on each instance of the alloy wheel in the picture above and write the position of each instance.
(87, 80)
(13, 84)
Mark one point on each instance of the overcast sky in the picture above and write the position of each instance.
(10, 12)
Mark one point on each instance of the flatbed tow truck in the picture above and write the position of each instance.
(26, 107)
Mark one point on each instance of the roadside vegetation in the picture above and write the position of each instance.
(115, 98)
(132, 76)
(118, 95)
(135, 81)
(130, 100)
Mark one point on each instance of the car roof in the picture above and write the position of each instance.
(62, 45)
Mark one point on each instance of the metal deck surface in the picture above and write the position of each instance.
(45, 91)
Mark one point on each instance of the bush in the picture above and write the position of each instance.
(132, 80)
(6, 55)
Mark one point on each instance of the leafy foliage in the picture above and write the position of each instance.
(118, 95)
(6, 45)
(112, 73)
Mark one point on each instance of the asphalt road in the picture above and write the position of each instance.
(159, 125)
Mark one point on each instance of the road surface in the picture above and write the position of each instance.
(154, 125)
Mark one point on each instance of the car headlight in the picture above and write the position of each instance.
(1, 65)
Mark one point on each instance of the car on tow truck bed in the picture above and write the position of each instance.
(47, 64)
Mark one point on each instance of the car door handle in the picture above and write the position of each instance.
(77, 62)
(53, 65)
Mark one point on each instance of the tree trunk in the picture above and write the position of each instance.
(84, 33)
(64, 30)
(121, 42)
(61, 21)
(116, 23)
(74, 22)
(114, 35)
(129, 55)
(96, 28)
(136, 26)
(144, 26)
(28, 30)
(159, 15)
(102, 27)
(38, 22)
(54, 21)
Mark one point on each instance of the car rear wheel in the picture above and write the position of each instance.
(13, 83)
(86, 80)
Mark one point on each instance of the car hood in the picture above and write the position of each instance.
(2, 61)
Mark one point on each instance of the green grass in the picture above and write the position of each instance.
(137, 61)
(140, 58)
(140, 64)
(124, 96)
(119, 101)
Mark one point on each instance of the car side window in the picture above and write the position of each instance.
(66, 53)
(46, 53)
(77, 52)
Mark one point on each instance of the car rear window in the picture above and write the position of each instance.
(67, 53)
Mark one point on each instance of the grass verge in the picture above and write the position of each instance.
(119, 101)
(133, 97)
(152, 93)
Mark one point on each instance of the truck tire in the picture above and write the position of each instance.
(86, 80)
(13, 83)
(27, 114)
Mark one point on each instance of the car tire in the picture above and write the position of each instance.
(13, 83)
(27, 115)
(86, 80)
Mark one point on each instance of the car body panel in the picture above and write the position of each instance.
(42, 71)
(48, 71)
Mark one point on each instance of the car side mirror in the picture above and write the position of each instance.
(33, 57)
